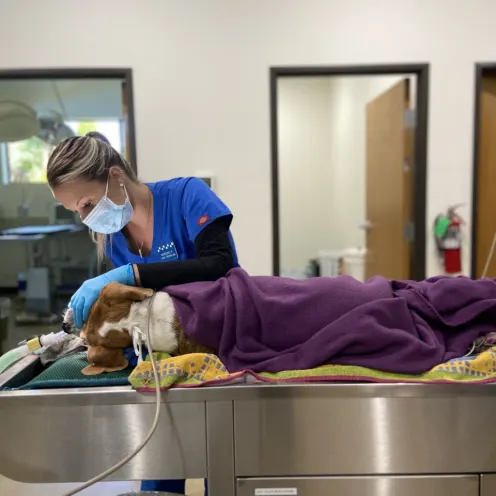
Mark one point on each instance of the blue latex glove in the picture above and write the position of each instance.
(83, 299)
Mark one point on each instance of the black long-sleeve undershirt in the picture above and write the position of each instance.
(214, 259)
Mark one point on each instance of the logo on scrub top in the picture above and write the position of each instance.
(203, 220)
(167, 252)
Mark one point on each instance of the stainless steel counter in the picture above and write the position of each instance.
(237, 435)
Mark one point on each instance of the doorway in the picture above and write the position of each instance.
(484, 175)
(46, 251)
(349, 168)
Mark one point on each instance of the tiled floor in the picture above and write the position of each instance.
(104, 489)
(8, 487)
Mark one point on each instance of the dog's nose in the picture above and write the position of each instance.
(66, 327)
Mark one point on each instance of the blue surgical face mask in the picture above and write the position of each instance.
(107, 217)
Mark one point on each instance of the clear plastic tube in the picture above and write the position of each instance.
(13, 356)
(49, 339)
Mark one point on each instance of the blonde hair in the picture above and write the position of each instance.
(86, 158)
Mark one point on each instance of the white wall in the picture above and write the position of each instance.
(201, 79)
(306, 206)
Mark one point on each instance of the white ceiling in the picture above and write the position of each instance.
(81, 98)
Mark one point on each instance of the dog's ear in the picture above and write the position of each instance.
(115, 291)
(116, 339)
(103, 359)
(89, 335)
(97, 369)
(93, 370)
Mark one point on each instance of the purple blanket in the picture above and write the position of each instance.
(272, 324)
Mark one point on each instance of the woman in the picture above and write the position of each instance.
(156, 235)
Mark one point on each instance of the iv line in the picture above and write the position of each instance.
(131, 455)
(489, 257)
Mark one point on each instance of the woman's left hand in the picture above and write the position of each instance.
(84, 298)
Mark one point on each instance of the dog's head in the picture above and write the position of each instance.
(116, 312)
(109, 326)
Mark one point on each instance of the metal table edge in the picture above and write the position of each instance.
(127, 395)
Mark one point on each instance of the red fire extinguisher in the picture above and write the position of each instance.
(448, 234)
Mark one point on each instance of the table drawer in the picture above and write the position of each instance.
(307, 436)
(360, 486)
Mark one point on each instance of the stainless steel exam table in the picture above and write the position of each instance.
(306, 440)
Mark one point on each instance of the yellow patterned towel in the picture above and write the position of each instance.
(200, 369)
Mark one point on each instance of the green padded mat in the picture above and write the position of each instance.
(66, 373)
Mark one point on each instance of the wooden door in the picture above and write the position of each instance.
(485, 203)
(389, 160)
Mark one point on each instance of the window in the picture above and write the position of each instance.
(25, 161)
(109, 128)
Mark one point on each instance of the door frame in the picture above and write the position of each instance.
(419, 183)
(124, 73)
(481, 69)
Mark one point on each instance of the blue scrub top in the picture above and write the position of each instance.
(182, 207)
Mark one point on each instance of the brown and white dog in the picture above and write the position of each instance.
(118, 311)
